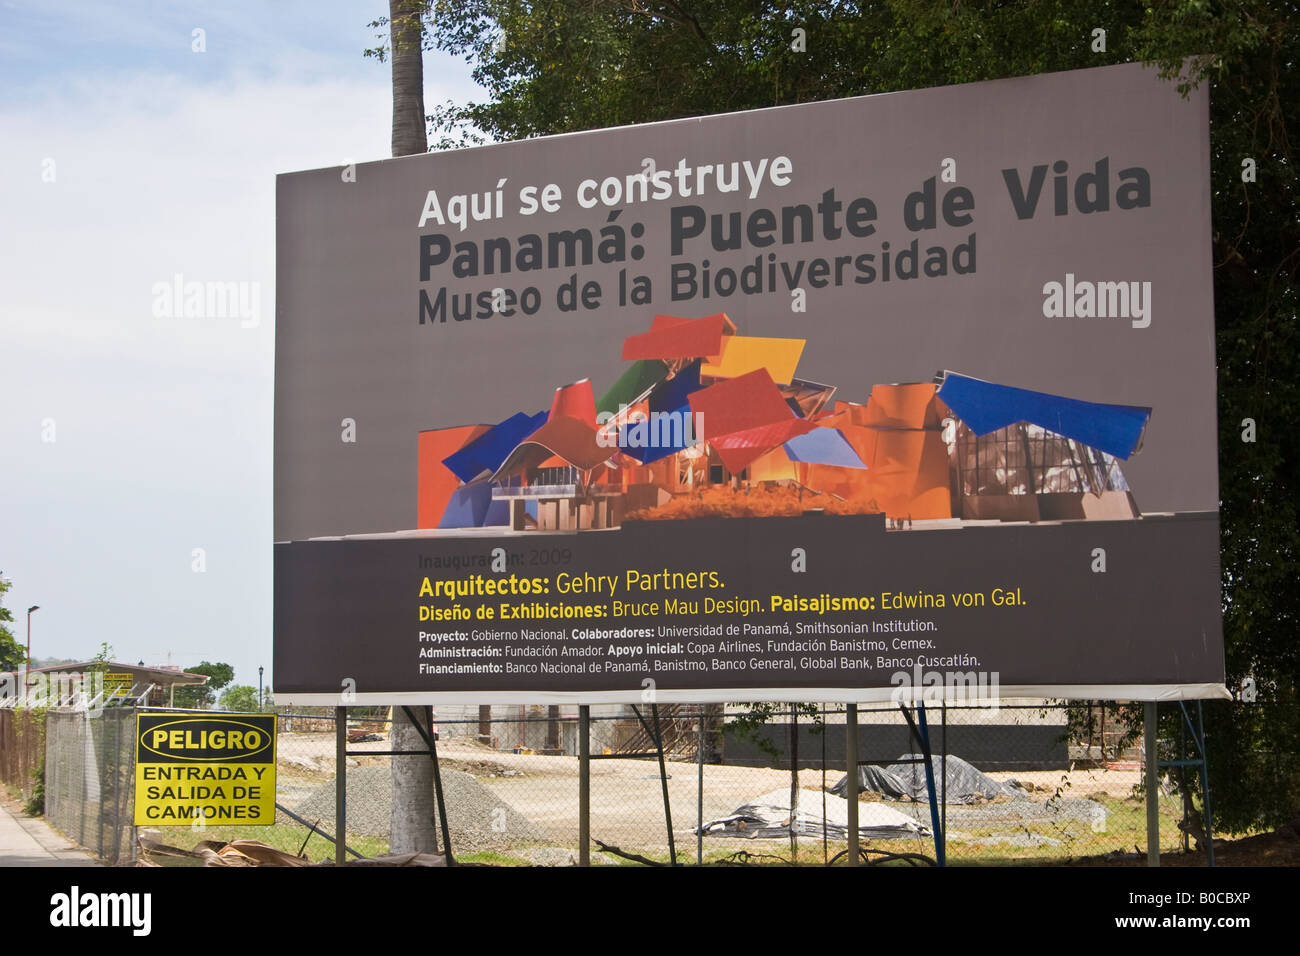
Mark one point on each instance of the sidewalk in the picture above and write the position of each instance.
(30, 841)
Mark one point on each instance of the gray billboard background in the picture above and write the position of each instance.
(349, 343)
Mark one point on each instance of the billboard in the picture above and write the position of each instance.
(825, 401)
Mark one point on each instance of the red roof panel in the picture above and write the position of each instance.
(673, 338)
(739, 449)
(738, 404)
(574, 401)
(569, 439)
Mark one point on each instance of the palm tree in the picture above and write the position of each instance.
(413, 804)
(406, 34)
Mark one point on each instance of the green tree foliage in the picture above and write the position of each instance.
(240, 697)
(219, 675)
(568, 65)
(12, 654)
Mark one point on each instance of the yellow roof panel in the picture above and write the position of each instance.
(742, 354)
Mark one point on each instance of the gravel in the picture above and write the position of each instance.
(476, 817)
(1021, 811)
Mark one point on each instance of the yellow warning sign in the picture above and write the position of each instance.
(118, 683)
(213, 769)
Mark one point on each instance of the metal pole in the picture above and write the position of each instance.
(584, 785)
(118, 825)
(1153, 808)
(314, 828)
(943, 769)
(340, 783)
(131, 717)
(699, 794)
(794, 782)
(939, 840)
(34, 607)
(663, 780)
(99, 772)
(851, 767)
(1182, 776)
(657, 739)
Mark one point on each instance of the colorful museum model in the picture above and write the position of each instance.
(704, 421)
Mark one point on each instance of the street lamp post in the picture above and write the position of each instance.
(34, 607)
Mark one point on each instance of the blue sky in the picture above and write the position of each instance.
(130, 442)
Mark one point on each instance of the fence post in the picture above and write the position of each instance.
(699, 794)
(851, 777)
(340, 784)
(1152, 778)
(83, 791)
(584, 785)
(99, 753)
(943, 770)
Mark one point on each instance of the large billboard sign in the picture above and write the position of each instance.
(826, 401)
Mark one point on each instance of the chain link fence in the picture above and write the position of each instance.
(90, 779)
(22, 749)
(1010, 786)
(1028, 782)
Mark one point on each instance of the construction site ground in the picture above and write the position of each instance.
(1067, 814)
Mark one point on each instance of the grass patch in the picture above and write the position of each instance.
(491, 858)
(287, 836)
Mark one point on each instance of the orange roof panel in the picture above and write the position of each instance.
(435, 482)
(902, 406)
(774, 465)
(909, 475)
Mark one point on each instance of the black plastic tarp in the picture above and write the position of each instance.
(906, 781)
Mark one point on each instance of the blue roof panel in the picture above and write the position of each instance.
(986, 407)
(660, 436)
(489, 450)
(671, 394)
(823, 446)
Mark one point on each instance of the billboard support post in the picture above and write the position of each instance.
(663, 784)
(425, 727)
(940, 838)
(921, 734)
(340, 783)
(851, 776)
(654, 734)
(584, 785)
(1152, 776)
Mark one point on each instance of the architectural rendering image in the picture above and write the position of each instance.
(706, 421)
